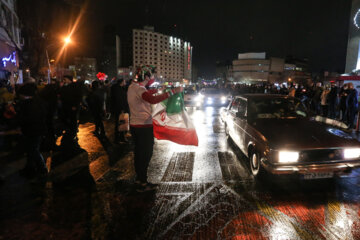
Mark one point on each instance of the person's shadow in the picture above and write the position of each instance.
(115, 151)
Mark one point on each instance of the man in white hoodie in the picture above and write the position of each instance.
(140, 100)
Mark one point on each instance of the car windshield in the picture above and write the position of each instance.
(214, 91)
(276, 108)
(189, 91)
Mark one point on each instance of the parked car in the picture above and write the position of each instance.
(278, 136)
(190, 97)
(213, 97)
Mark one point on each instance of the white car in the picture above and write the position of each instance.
(190, 98)
(213, 97)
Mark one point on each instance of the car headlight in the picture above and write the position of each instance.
(351, 153)
(198, 99)
(288, 157)
(223, 99)
(209, 100)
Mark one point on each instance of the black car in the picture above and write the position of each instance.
(278, 136)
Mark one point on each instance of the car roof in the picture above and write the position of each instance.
(262, 96)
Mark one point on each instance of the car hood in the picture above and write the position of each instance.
(302, 134)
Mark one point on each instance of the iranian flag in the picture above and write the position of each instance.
(171, 122)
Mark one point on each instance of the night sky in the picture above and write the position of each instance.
(219, 30)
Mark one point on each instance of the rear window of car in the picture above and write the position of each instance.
(276, 108)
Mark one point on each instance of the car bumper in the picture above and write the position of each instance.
(337, 167)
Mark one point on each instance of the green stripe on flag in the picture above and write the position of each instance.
(174, 104)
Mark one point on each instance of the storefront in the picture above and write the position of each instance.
(9, 66)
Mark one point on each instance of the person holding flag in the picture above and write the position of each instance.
(141, 125)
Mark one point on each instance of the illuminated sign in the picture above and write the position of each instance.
(357, 19)
(189, 57)
(358, 60)
(11, 58)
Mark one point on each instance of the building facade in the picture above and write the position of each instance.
(255, 68)
(353, 50)
(172, 56)
(85, 68)
(252, 68)
(10, 41)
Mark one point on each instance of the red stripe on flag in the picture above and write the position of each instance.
(177, 135)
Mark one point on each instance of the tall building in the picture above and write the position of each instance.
(353, 51)
(86, 68)
(10, 40)
(172, 56)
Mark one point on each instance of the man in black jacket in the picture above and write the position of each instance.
(50, 97)
(333, 100)
(96, 101)
(71, 94)
(119, 105)
(32, 117)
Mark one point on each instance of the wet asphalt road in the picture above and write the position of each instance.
(203, 192)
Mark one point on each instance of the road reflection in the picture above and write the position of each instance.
(208, 193)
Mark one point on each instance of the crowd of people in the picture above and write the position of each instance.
(45, 112)
(331, 101)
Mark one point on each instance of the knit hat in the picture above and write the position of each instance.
(145, 70)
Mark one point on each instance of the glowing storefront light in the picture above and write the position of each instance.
(358, 59)
(356, 19)
(11, 58)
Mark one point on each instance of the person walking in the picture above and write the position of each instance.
(71, 94)
(96, 102)
(316, 98)
(119, 105)
(344, 92)
(32, 118)
(324, 102)
(333, 100)
(352, 104)
(49, 95)
(140, 100)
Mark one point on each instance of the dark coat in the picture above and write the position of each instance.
(71, 95)
(32, 116)
(332, 97)
(96, 100)
(119, 99)
(352, 99)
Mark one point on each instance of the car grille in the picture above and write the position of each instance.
(320, 155)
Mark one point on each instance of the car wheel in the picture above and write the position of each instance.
(255, 165)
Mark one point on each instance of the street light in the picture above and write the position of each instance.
(67, 40)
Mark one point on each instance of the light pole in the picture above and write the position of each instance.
(49, 70)
(67, 40)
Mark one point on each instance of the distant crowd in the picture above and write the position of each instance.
(329, 101)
